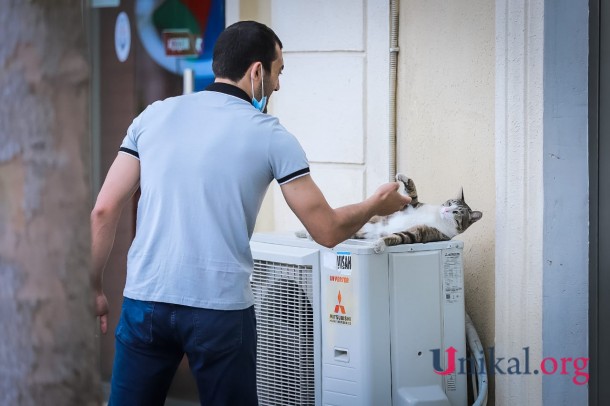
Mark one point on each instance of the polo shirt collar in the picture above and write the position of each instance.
(231, 90)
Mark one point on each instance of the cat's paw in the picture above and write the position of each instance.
(401, 177)
(379, 246)
(404, 180)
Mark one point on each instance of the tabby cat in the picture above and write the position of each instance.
(419, 222)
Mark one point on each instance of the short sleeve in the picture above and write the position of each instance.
(286, 156)
(130, 142)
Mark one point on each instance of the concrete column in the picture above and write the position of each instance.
(519, 195)
(47, 346)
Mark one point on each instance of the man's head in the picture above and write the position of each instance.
(242, 44)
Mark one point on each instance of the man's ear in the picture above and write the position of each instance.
(255, 70)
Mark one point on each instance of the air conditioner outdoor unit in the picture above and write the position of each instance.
(346, 326)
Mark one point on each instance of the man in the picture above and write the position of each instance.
(204, 162)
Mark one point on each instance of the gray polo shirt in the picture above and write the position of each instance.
(206, 161)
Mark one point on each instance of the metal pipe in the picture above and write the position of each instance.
(476, 349)
(393, 69)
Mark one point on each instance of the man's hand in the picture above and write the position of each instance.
(122, 181)
(328, 226)
(101, 311)
(389, 200)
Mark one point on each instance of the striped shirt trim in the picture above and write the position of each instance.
(130, 152)
(293, 176)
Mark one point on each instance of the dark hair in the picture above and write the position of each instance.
(242, 44)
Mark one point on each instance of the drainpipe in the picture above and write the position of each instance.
(393, 83)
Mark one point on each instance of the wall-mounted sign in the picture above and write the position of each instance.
(202, 19)
(182, 43)
(122, 36)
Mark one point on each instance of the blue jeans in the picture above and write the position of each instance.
(152, 338)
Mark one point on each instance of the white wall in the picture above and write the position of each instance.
(333, 96)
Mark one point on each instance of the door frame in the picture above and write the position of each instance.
(599, 191)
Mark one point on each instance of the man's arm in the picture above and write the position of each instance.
(121, 183)
(328, 226)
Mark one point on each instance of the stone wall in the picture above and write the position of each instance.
(47, 345)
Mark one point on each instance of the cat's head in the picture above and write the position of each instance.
(460, 212)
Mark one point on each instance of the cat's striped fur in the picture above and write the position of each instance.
(419, 222)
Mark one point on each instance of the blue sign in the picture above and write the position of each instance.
(205, 18)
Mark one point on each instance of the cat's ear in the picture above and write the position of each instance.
(461, 195)
(475, 215)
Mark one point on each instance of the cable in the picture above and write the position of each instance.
(476, 348)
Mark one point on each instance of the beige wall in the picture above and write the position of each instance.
(446, 126)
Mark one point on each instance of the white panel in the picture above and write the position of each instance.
(361, 289)
(319, 25)
(321, 102)
(454, 319)
(284, 218)
(415, 310)
(285, 284)
(340, 185)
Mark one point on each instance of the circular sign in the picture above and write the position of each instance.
(209, 17)
(122, 36)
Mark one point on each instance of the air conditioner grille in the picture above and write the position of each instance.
(284, 314)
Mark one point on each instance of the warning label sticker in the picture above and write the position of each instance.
(452, 275)
(340, 293)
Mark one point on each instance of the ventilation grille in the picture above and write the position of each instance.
(284, 316)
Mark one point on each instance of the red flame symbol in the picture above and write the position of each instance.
(339, 307)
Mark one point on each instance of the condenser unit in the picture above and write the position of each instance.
(347, 326)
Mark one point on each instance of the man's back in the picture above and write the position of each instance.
(206, 162)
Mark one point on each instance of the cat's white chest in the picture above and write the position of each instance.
(428, 215)
(412, 217)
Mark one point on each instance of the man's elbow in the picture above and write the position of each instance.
(101, 213)
(326, 239)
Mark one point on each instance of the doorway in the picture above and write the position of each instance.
(126, 78)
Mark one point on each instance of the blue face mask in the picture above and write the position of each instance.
(259, 104)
